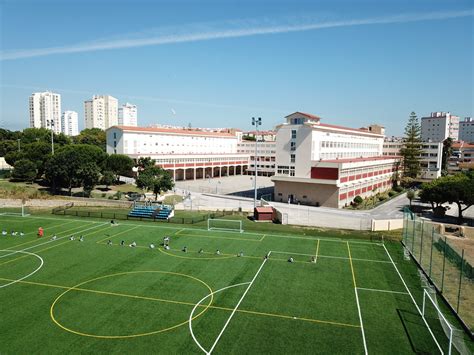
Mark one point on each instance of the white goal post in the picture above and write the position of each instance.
(224, 224)
(14, 211)
(447, 327)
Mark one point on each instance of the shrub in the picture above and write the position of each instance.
(391, 193)
(358, 200)
(383, 197)
(398, 188)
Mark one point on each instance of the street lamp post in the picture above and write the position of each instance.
(19, 145)
(256, 122)
(51, 124)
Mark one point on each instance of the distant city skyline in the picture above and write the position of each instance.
(219, 64)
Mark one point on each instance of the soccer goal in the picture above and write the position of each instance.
(431, 312)
(14, 211)
(224, 224)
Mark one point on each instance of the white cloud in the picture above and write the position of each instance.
(238, 29)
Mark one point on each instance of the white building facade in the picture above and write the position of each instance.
(45, 110)
(439, 126)
(127, 115)
(266, 156)
(70, 123)
(430, 157)
(187, 154)
(328, 165)
(466, 130)
(101, 112)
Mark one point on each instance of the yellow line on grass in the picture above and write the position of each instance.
(352, 267)
(113, 236)
(317, 252)
(263, 237)
(257, 313)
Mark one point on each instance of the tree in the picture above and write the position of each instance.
(108, 178)
(411, 150)
(145, 162)
(88, 174)
(24, 170)
(39, 153)
(74, 166)
(92, 136)
(119, 164)
(447, 152)
(411, 195)
(155, 179)
(458, 189)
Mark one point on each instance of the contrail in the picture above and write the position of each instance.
(216, 33)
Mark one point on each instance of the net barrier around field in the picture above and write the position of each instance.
(446, 269)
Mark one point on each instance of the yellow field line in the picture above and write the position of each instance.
(263, 237)
(352, 267)
(41, 250)
(276, 315)
(178, 232)
(36, 239)
(113, 236)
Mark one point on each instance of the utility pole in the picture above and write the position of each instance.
(256, 122)
(51, 124)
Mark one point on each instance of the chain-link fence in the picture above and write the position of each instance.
(445, 260)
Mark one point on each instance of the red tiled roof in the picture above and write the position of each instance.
(463, 145)
(264, 209)
(305, 114)
(182, 131)
(348, 128)
(356, 160)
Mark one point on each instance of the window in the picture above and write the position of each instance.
(293, 146)
(292, 158)
(293, 134)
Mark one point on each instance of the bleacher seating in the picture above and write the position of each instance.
(158, 212)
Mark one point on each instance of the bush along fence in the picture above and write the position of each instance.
(69, 211)
(446, 266)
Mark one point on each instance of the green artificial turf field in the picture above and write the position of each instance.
(66, 296)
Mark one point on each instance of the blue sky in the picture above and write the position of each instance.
(218, 63)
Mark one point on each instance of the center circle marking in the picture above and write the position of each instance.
(51, 311)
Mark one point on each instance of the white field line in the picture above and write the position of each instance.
(31, 273)
(330, 257)
(238, 304)
(205, 229)
(360, 317)
(50, 241)
(386, 291)
(411, 296)
(197, 305)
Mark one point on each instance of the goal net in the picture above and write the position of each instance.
(438, 322)
(14, 211)
(224, 224)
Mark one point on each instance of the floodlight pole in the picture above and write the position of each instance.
(51, 124)
(256, 122)
(19, 145)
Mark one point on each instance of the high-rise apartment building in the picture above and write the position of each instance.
(466, 130)
(101, 112)
(439, 126)
(45, 110)
(127, 115)
(69, 123)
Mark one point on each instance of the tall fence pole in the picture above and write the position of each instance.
(413, 241)
(421, 243)
(460, 280)
(431, 253)
(444, 263)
